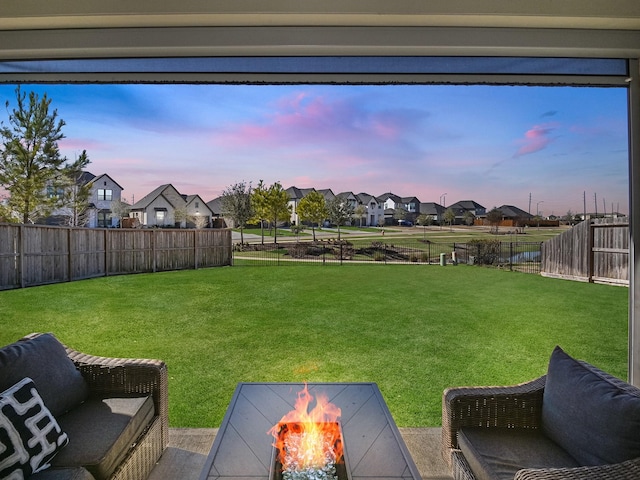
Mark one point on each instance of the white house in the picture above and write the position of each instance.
(102, 210)
(106, 195)
(199, 214)
(158, 208)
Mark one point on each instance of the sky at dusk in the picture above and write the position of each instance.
(495, 145)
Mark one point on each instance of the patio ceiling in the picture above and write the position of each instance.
(77, 29)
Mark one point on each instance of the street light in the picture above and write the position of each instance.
(538, 213)
(443, 198)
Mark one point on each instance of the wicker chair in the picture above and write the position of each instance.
(123, 376)
(518, 406)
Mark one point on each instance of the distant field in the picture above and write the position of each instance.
(435, 234)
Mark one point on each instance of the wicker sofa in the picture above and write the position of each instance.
(97, 418)
(575, 423)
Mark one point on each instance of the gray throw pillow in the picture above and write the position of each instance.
(594, 417)
(44, 359)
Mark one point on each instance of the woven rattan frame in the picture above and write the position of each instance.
(125, 376)
(517, 406)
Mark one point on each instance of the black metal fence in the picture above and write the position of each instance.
(517, 256)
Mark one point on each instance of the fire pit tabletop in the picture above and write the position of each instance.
(243, 449)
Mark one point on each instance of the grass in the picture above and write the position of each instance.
(413, 329)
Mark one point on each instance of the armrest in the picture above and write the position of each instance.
(126, 376)
(516, 406)
(628, 470)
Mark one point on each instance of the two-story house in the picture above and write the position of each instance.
(374, 210)
(106, 199)
(103, 204)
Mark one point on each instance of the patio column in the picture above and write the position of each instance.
(634, 222)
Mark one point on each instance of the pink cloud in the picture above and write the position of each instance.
(536, 139)
(302, 119)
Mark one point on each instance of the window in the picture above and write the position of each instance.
(105, 194)
(160, 216)
(104, 218)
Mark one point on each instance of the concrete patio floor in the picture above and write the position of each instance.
(188, 449)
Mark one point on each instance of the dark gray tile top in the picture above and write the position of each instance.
(243, 446)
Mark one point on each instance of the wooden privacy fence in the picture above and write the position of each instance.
(37, 255)
(592, 251)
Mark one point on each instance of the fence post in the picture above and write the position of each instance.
(69, 259)
(590, 254)
(195, 249)
(511, 256)
(106, 252)
(153, 250)
(21, 259)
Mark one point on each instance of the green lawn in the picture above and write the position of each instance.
(413, 329)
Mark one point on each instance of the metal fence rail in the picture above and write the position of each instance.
(517, 256)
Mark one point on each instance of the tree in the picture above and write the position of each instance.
(494, 217)
(425, 220)
(338, 212)
(236, 204)
(73, 197)
(449, 217)
(277, 207)
(313, 208)
(120, 209)
(30, 162)
(468, 218)
(359, 211)
(259, 205)
(399, 214)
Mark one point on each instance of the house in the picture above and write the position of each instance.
(106, 200)
(391, 202)
(434, 209)
(159, 208)
(461, 208)
(373, 209)
(199, 215)
(509, 212)
(295, 195)
(103, 208)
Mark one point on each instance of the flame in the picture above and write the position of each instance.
(308, 438)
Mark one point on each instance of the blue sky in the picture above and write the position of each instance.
(495, 145)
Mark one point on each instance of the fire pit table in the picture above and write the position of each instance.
(243, 448)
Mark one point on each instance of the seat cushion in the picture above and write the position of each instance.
(44, 360)
(102, 431)
(593, 416)
(498, 453)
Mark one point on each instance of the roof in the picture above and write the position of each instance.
(431, 208)
(466, 205)
(509, 211)
(145, 201)
(392, 196)
(95, 179)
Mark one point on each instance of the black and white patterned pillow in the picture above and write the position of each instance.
(29, 435)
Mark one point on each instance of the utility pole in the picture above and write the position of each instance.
(584, 204)
(529, 212)
(595, 201)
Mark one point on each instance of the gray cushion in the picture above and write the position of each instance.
(76, 473)
(44, 359)
(592, 416)
(101, 432)
(498, 453)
